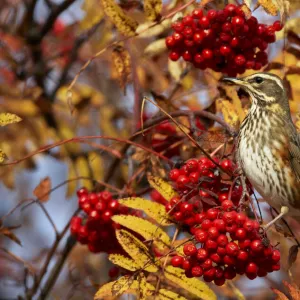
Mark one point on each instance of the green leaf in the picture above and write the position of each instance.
(154, 210)
(146, 229)
(193, 285)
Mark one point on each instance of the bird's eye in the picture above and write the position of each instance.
(258, 79)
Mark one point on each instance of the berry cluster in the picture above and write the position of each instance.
(98, 230)
(200, 187)
(227, 243)
(222, 40)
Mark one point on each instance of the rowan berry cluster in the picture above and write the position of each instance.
(222, 40)
(97, 230)
(200, 187)
(227, 243)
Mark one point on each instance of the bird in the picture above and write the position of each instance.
(268, 144)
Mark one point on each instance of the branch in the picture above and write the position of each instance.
(56, 11)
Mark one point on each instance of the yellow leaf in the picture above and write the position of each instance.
(124, 23)
(268, 6)
(93, 14)
(151, 29)
(8, 118)
(164, 188)
(3, 156)
(136, 249)
(164, 294)
(152, 9)
(43, 189)
(154, 210)
(72, 185)
(82, 169)
(123, 262)
(156, 47)
(176, 69)
(67, 133)
(146, 289)
(229, 112)
(122, 64)
(24, 107)
(193, 285)
(146, 229)
(97, 165)
(121, 286)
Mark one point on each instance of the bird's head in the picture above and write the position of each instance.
(266, 90)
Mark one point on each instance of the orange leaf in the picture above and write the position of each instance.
(42, 190)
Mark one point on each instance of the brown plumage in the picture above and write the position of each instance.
(268, 148)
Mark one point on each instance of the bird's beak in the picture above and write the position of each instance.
(234, 81)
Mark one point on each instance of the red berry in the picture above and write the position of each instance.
(229, 217)
(186, 265)
(240, 60)
(199, 37)
(174, 174)
(238, 21)
(276, 255)
(187, 56)
(257, 246)
(240, 234)
(213, 233)
(202, 254)
(239, 11)
(197, 13)
(229, 273)
(222, 240)
(192, 165)
(223, 196)
(201, 235)
(188, 20)
(242, 255)
(113, 272)
(229, 260)
(225, 50)
(207, 264)
(211, 245)
(174, 55)
(251, 268)
(212, 213)
(227, 164)
(105, 195)
(198, 58)
(100, 206)
(261, 29)
(188, 32)
(234, 42)
(86, 207)
(194, 177)
(245, 244)
(106, 216)
(174, 200)
(276, 267)
(230, 9)
(227, 205)
(232, 249)
(189, 249)
(186, 208)
(248, 225)
(220, 225)
(277, 25)
(206, 224)
(177, 261)
(178, 216)
(82, 192)
(219, 281)
(178, 27)
(199, 218)
(211, 14)
(221, 251)
(209, 274)
(207, 54)
(197, 271)
(182, 181)
(94, 215)
(82, 200)
(216, 258)
(113, 205)
(204, 22)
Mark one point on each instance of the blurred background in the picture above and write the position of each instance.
(43, 45)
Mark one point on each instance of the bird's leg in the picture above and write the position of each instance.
(244, 186)
(283, 211)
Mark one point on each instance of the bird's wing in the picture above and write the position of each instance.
(294, 149)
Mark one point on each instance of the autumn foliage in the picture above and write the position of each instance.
(126, 97)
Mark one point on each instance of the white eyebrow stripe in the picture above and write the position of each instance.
(266, 76)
